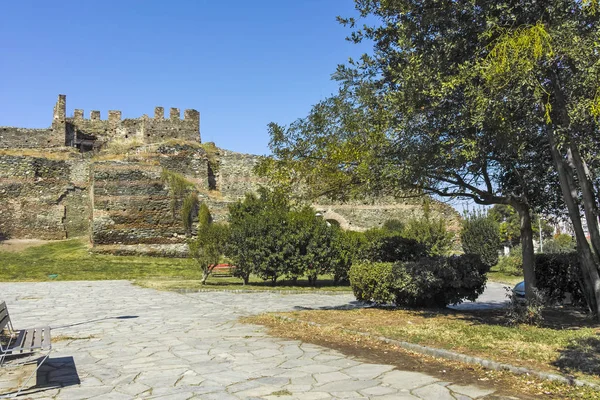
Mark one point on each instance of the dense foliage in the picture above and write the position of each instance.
(512, 264)
(210, 243)
(382, 245)
(561, 243)
(481, 235)
(429, 282)
(272, 239)
(373, 282)
(560, 274)
(430, 232)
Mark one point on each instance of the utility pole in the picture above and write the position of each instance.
(541, 242)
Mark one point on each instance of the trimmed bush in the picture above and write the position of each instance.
(372, 282)
(481, 235)
(558, 274)
(439, 281)
(381, 245)
(429, 282)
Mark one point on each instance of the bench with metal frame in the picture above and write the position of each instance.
(17, 347)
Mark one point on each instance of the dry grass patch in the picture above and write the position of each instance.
(568, 344)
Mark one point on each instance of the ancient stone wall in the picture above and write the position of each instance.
(43, 197)
(133, 207)
(141, 130)
(11, 137)
(94, 132)
(235, 175)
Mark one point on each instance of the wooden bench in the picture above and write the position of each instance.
(18, 346)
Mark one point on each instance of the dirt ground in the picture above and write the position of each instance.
(16, 245)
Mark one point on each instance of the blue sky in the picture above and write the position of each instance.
(242, 64)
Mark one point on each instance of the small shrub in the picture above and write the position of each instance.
(431, 233)
(393, 225)
(561, 243)
(429, 282)
(512, 264)
(558, 274)
(481, 235)
(372, 282)
(439, 281)
(386, 246)
(521, 311)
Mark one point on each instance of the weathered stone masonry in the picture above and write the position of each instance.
(58, 182)
(94, 133)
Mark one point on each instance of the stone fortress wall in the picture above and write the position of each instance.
(95, 132)
(53, 188)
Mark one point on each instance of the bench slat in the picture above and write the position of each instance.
(18, 343)
(37, 338)
(4, 317)
(46, 341)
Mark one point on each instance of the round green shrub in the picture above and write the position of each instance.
(481, 235)
(372, 282)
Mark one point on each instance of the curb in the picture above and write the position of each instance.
(184, 291)
(450, 355)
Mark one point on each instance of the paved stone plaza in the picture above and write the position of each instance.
(115, 340)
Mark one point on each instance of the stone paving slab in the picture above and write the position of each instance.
(114, 340)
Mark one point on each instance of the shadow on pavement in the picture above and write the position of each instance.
(55, 373)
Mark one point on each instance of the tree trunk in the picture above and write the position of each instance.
(205, 273)
(527, 248)
(587, 190)
(589, 269)
(246, 279)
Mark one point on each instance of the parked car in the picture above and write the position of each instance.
(519, 290)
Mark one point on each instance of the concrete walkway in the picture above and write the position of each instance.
(115, 340)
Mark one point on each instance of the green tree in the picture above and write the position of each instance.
(259, 242)
(414, 116)
(510, 231)
(271, 238)
(210, 243)
(561, 243)
(480, 235)
(430, 232)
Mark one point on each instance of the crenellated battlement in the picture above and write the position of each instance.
(189, 115)
(94, 132)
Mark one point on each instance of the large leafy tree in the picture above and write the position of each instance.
(551, 50)
(414, 117)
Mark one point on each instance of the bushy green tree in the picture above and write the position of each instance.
(271, 238)
(209, 244)
(430, 232)
(561, 243)
(480, 235)
(260, 242)
(382, 245)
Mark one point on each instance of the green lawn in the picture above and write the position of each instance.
(497, 276)
(73, 260)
